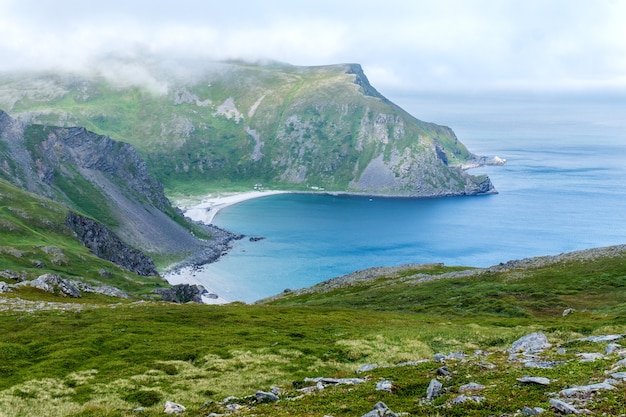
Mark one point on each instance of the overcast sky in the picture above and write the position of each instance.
(413, 45)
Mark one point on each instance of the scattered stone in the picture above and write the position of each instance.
(434, 389)
(543, 364)
(604, 338)
(534, 380)
(531, 343)
(439, 357)
(486, 365)
(611, 348)
(4, 287)
(443, 371)
(462, 399)
(336, 381)
(384, 386)
(619, 375)
(105, 273)
(367, 367)
(568, 311)
(563, 407)
(586, 389)
(621, 363)
(173, 408)
(561, 351)
(535, 411)
(589, 357)
(54, 283)
(459, 356)
(471, 387)
(275, 390)
(380, 410)
(263, 397)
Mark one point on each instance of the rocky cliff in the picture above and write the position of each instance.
(106, 245)
(213, 124)
(106, 180)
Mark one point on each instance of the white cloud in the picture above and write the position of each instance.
(416, 45)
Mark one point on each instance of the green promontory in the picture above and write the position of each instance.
(230, 125)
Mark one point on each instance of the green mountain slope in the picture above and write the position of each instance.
(235, 124)
(35, 240)
(103, 361)
(106, 180)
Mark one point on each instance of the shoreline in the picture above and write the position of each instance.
(208, 208)
(187, 275)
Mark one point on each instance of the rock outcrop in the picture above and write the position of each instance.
(106, 245)
(183, 293)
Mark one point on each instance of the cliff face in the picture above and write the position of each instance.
(106, 245)
(240, 123)
(100, 177)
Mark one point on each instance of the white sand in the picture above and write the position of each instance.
(210, 206)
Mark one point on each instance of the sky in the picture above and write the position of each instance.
(410, 45)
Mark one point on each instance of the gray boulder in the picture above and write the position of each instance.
(265, 397)
(534, 380)
(535, 411)
(463, 399)
(173, 408)
(531, 343)
(380, 410)
(54, 283)
(384, 386)
(4, 287)
(586, 389)
(563, 407)
(471, 387)
(434, 389)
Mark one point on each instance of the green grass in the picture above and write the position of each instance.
(34, 240)
(103, 361)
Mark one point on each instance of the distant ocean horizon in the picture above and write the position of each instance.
(563, 188)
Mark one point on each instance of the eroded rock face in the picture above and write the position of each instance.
(182, 293)
(106, 245)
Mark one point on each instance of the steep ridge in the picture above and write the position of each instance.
(102, 178)
(207, 125)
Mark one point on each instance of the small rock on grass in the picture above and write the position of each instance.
(563, 407)
(534, 411)
(534, 380)
(173, 408)
(434, 389)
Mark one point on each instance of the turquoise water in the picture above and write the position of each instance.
(563, 188)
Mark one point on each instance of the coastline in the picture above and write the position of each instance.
(206, 211)
(186, 275)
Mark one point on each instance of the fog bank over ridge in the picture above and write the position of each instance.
(450, 45)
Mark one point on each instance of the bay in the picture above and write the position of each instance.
(563, 188)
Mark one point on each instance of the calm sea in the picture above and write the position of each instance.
(563, 188)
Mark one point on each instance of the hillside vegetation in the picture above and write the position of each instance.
(230, 125)
(35, 240)
(95, 360)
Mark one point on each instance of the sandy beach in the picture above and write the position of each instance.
(205, 212)
(211, 205)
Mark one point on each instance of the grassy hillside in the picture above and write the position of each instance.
(34, 241)
(108, 362)
(230, 125)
